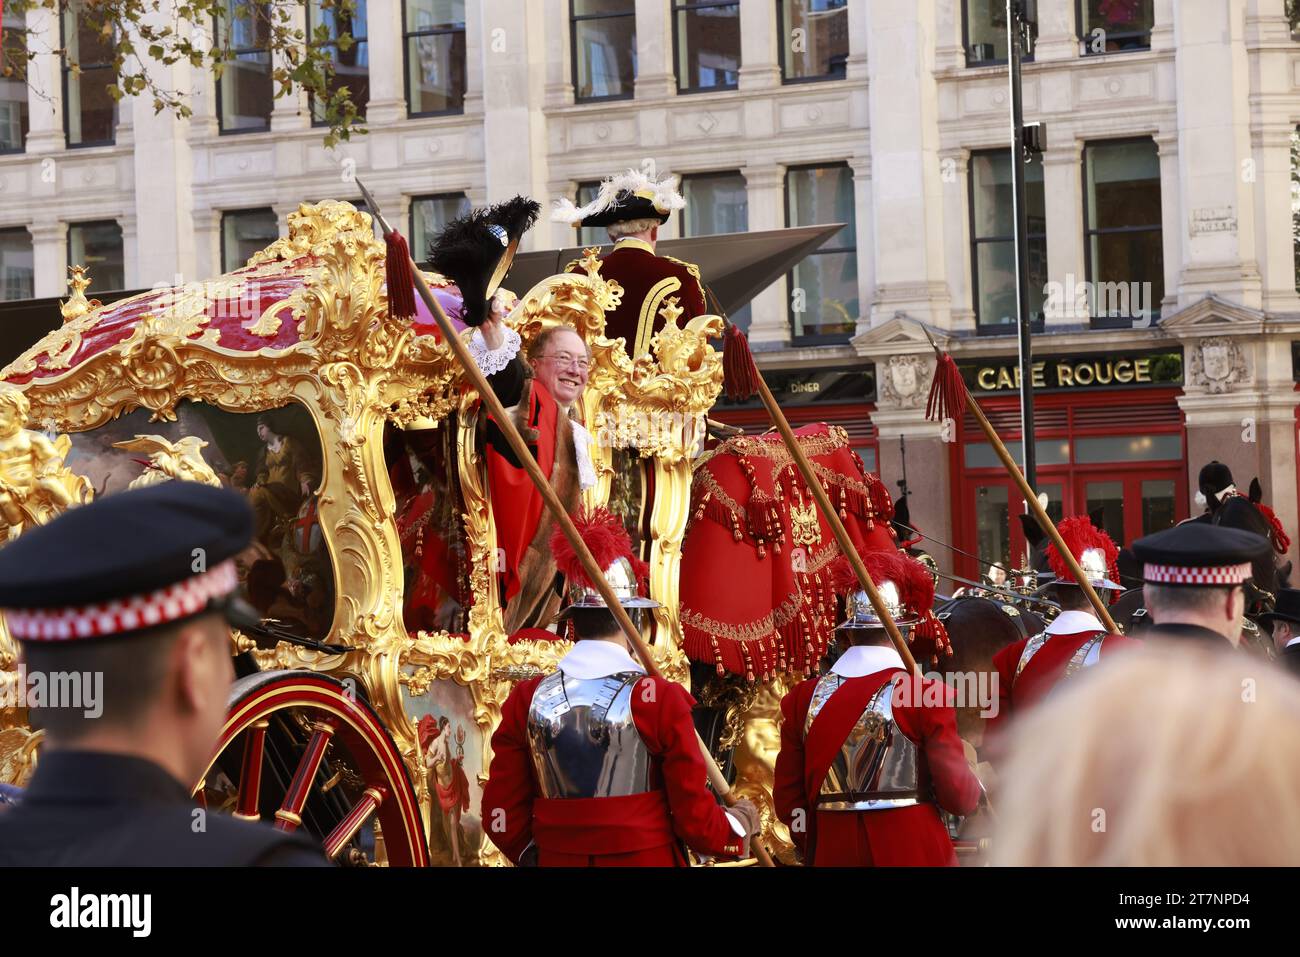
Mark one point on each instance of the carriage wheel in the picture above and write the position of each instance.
(299, 750)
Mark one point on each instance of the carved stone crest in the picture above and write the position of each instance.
(906, 380)
(1217, 364)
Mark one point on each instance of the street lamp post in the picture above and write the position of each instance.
(1020, 14)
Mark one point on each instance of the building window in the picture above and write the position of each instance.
(984, 33)
(429, 214)
(435, 56)
(13, 89)
(590, 235)
(351, 66)
(1123, 244)
(245, 232)
(717, 203)
(89, 112)
(993, 239)
(815, 39)
(98, 247)
(824, 286)
(245, 90)
(706, 38)
(1111, 26)
(603, 40)
(17, 267)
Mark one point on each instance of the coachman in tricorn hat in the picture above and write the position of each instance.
(631, 206)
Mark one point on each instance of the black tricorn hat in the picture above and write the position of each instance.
(622, 198)
(476, 250)
(1287, 608)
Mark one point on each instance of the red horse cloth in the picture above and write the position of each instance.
(756, 593)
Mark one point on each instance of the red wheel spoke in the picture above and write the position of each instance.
(288, 817)
(250, 779)
(348, 827)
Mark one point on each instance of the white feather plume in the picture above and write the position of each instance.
(1200, 500)
(665, 196)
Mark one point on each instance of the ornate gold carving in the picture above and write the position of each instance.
(35, 485)
(61, 345)
(755, 762)
(182, 459)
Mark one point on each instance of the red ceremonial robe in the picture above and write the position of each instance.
(1067, 634)
(899, 837)
(639, 830)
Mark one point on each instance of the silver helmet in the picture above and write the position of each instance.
(621, 578)
(860, 614)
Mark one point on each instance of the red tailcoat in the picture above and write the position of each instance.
(647, 280)
(1043, 672)
(639, 830)
(900, 837)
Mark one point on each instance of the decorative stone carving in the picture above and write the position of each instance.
(1216, 364)
(906, 381)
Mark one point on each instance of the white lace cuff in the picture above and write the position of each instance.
(582, 446)
(492, 361)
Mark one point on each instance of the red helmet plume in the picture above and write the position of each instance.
(606, 538)
(1080, 535)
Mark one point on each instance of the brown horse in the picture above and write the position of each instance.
(978, 628)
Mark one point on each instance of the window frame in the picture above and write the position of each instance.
(1027, 57)
(83, 224)
(462, 194)
(221, 111)
(577, 201)
(685, 6)
(573, 53)
(781, 32)
(1083, 38)
(66, 74)
(31, 244)
(226, 265)
(22, 148)
(1115, 322)
(314, 5)
(822, 339)
(989, 329)
(407, 36)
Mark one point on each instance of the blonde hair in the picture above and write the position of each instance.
(630, 227)
(16, 401)
(1169, 755)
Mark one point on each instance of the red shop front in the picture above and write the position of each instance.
(1110, 442)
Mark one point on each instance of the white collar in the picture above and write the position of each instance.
(1074, 622)
(1293, 641)
(860, 660)
(582, 441)
(596, 659)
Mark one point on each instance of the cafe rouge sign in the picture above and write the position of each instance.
(1116, 370)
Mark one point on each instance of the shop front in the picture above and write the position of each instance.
(1110, 442)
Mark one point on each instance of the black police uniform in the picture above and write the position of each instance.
(91, 809)
(1194, 555)
(118, 568)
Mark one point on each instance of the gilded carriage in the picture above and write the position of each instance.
(362, 453)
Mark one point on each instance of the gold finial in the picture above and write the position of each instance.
(670, 311)
(77, 305)
(591, 261)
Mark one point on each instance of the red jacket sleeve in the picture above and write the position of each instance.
(788, 791)
(1004, 666)
(934, 728)
(662, 712)
(508, 795)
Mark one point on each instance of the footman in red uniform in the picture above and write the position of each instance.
(1028, 669)
(598, 764)
(869, 755)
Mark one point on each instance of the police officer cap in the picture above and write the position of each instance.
(1196, 553)
(129, 561)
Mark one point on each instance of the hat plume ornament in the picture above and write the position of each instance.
(476, 250)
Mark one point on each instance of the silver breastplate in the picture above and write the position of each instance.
(583, 739)
(876, 767)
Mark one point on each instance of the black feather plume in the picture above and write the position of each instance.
(468, 250)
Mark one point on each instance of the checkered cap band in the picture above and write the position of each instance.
(181, 600)
(1204, 575)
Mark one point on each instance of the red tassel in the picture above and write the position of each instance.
(948, 394)
(401, 283)
(739, 374)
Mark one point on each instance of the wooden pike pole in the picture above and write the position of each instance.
(949, 398)
(562, 519)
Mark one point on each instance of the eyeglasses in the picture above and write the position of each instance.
(564, 360)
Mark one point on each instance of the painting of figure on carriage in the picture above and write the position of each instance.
(451, 749)
(273, 458)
